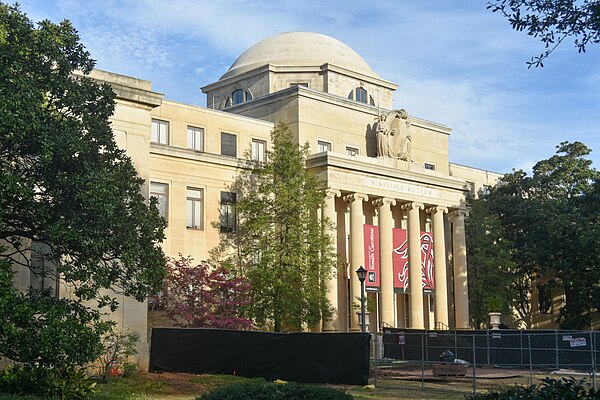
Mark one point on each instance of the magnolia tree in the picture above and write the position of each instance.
(200, 295)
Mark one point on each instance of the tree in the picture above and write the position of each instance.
(553, 22)
(551, 218)
(518, 218)
(561, 186)
(281, 245)
(203, 296)
(492, 282)
(67, 193)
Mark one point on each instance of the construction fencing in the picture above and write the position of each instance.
(483, 359)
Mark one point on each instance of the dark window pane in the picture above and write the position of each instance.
(361, 95)
(237, 96)
(228, 144)
(228, 211)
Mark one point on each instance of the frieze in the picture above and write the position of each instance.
(401, 187)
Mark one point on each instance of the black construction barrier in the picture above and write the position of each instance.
(341, 358)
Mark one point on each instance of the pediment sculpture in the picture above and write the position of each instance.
(393, 135)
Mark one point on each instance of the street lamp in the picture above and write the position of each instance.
(362, 274)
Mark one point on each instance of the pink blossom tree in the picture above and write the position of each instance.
(200, 295)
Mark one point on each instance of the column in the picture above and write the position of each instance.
(385, 260)
(329, 214)
(439, 253)
(357, 251)
(415, 274)
(461, 290)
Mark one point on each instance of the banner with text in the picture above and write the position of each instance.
(371, 235)
(400, 261)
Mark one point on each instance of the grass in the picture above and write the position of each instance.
(144, 386)
(170, 386)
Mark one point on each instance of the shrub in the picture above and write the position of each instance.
(265, 390)
(118, 347)
(66, 383)
(549, 389)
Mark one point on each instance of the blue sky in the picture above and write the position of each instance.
(455, 62)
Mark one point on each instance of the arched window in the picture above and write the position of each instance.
(248, 95)
(359, 94)
(237, 97)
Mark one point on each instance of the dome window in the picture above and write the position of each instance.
(237, 97)
(359, 94)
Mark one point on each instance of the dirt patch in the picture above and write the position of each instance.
(179, 383)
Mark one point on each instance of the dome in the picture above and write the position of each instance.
(299, 49)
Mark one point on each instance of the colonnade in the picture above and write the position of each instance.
(387, 301)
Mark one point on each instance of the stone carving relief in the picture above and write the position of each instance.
(393, 135)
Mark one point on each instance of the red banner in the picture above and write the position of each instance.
(427, 261)
(371, 235)
(400, 261)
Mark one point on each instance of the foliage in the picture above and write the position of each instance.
(272, 391)
(118, 347)
(549, 389)
(64, 183)
(68, 195)
(204, 296)
(552, 221)
(7, 396)
(553, 22)
(37, 329)
(281, 245)
(67, 383)
(492, 282)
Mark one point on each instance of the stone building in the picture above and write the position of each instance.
(397, 203)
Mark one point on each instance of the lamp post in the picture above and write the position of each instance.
(362, 274)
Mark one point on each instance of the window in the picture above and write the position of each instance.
(471, 188)
(430, 167)
(256, 254)
(485, 190)
(351, 151)
(195, 138)
(42, 273)
(259, 148)
(305, 84)
(545, 298)
(161, 192)
(323, 146)
(237, 97)
(228, 144)
(228, 215)
(360, 95)
(195, 198)
(160, 131)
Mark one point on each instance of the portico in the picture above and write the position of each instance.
(383, 197)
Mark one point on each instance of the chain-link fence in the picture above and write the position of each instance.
(471, 361)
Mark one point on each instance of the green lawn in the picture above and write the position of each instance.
(186, 387)
(169, 386)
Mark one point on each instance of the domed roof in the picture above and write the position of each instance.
(299, 49)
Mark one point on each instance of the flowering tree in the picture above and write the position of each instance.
(203, 296)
